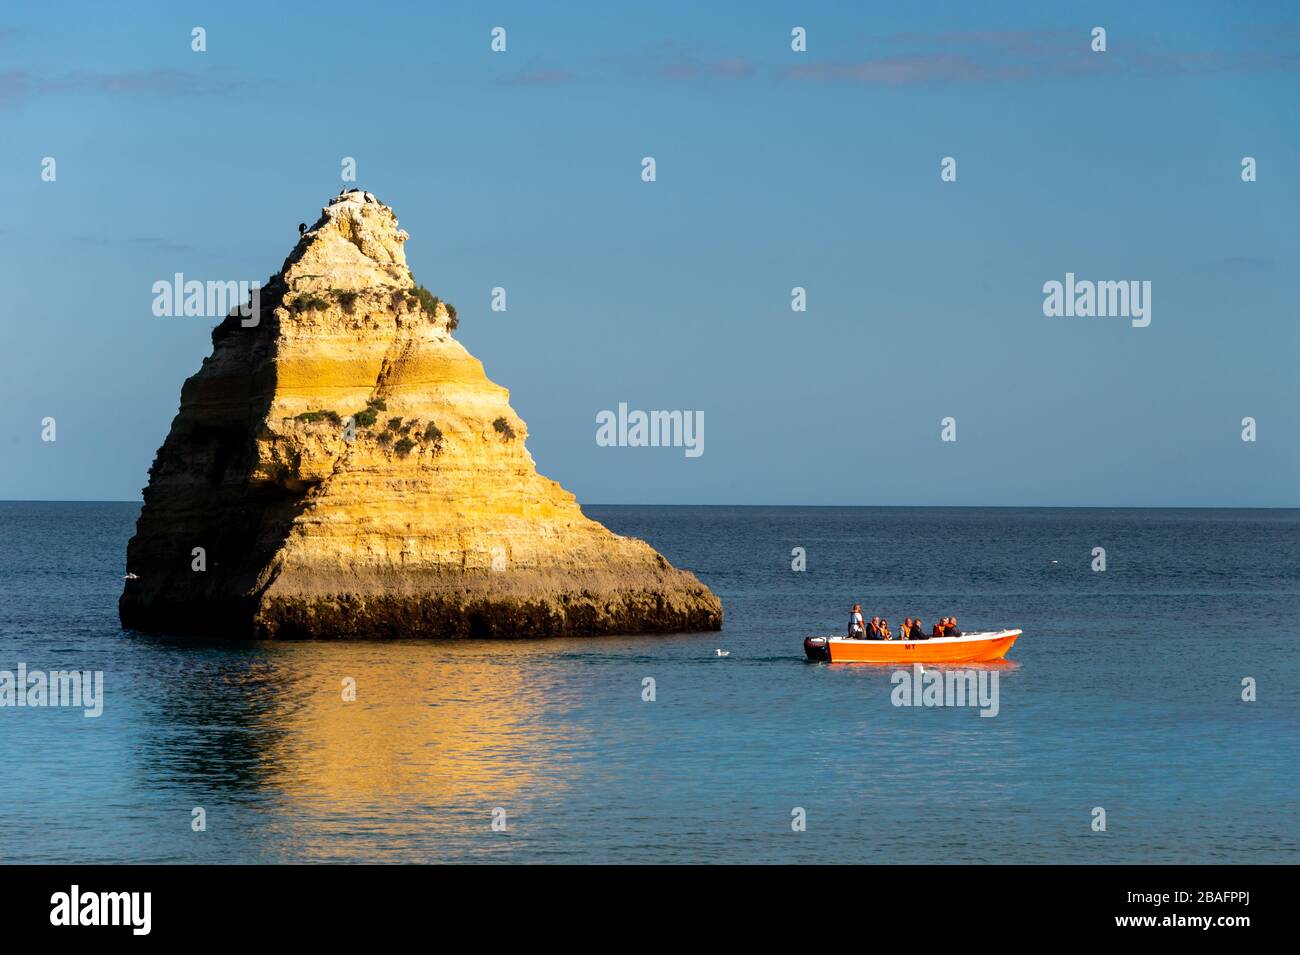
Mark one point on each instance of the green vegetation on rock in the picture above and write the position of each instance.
(308, 302)
(428, 302)
(311, 417)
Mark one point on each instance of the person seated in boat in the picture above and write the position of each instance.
(884, 630)
(938, 630)
(856, 627)
(918, 630)
(873, 629)
(951, 630)
(905, 631)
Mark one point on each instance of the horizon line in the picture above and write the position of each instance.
(1045, 507)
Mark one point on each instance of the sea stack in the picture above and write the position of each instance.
(342, 467)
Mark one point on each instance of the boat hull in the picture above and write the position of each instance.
(975, 648)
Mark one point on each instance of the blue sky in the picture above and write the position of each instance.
(775, 169)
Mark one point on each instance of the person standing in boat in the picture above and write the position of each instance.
(856, 628)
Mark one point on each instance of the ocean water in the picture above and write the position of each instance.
(1124, 693)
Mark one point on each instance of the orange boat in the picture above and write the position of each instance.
(968, 648)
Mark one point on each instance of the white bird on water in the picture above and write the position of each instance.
(723, 653)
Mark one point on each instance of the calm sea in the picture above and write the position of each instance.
(1124, 693)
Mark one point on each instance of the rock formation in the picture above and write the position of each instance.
(348, 469)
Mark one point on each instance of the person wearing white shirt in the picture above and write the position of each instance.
(857, 626)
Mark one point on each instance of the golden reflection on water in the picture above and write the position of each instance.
(438, 735)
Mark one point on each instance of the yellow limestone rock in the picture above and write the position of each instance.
(349, 470)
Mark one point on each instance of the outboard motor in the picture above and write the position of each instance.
(818, 649)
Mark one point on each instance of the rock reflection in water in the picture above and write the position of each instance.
(437, 737)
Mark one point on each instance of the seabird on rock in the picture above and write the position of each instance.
(302, 228)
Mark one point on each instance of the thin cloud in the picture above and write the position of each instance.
(16, 85)
(907, 70)
(1170, 64)
(541, 78)
(1248, 263)
(672, 65)
(691, 69)
(149, 242)
(140, 81)
(678, 68)
(1024, 41)
(990, 56)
